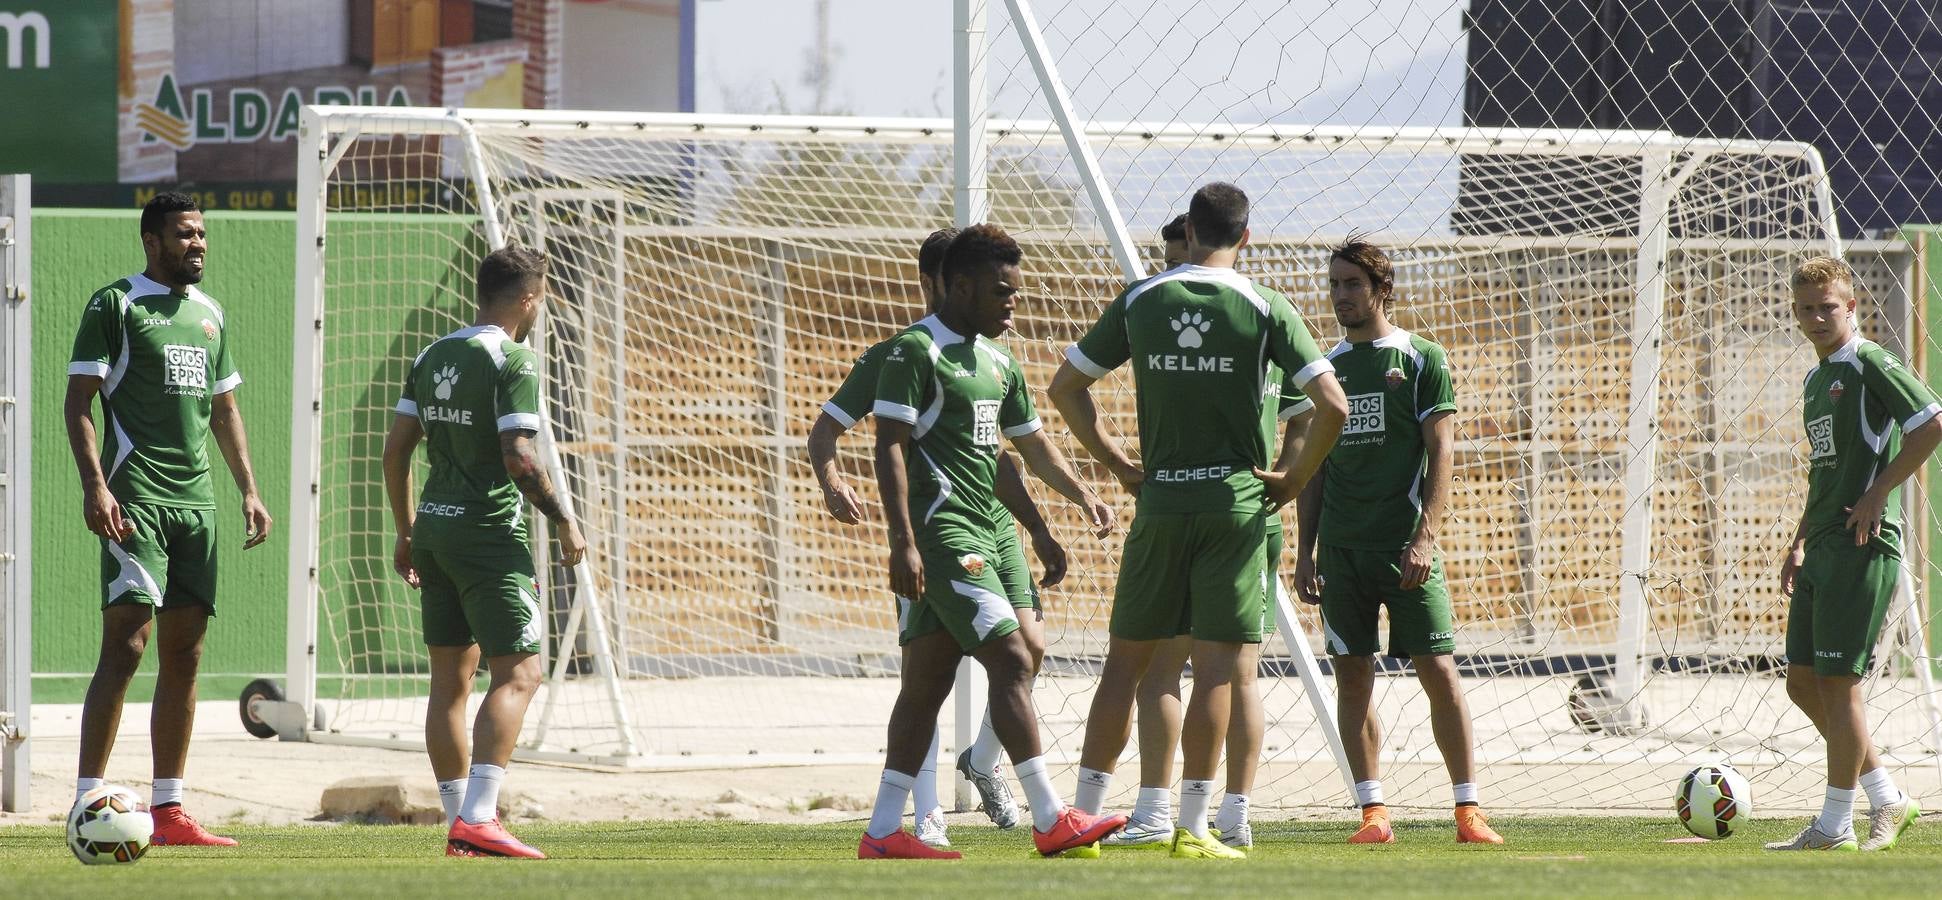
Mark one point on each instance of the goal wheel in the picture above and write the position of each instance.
(260, 689)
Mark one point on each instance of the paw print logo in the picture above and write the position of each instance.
(1189, 327)
(444, 379)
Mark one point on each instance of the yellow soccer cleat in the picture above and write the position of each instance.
(1186, 845)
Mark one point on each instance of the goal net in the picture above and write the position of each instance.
(1617, 513)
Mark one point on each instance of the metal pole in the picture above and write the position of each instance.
(970, 109)
(314, 163)
(16, 412)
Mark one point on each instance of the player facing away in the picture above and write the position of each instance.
(1374, 511)
(945, 398)
(852, 402)
(1871, 423)
(1158, 698)
(1200, 339)
(473, 398)
(155, 348)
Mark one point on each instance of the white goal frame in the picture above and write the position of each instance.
(16, 481)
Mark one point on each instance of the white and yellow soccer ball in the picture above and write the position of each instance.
(109, 825)
(1714, 800)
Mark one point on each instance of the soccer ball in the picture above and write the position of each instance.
(109, 824)
(1713, 800)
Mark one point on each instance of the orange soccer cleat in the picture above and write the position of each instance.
(1473, 829)
(900, 844)
(1375, 827)
(1074, 829)
(175, 828)
(488, 838)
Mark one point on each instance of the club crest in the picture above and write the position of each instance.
(1835, 390)
(972, 563)
(209, 330)
(1393, 377)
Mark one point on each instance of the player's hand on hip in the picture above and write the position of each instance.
(104, 516)
(1416, 563)
(1051, 557)
(256, 522)
(401, 560)
(1790, 567)
(907, 573)
(1864, 517)
(573, 544)
(1281, 487)
(1130, 477)
(842, 502)
(1308, 583)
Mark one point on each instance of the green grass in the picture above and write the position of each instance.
(1547, 858)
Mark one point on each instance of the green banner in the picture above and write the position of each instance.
(58, 64)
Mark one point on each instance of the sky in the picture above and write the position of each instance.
(1347, 62)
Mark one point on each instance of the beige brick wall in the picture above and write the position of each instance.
(147, 53)
(458, 71)
(542, 25)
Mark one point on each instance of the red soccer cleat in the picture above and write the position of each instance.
(900, 844)
(1074, 829)
(174, 828)
(488, 838)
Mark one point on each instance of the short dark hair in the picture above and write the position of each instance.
(1359, 251)
(930, 258)
(1175, 230)
(1219, 214)
(508, 272)
(978, 246)
(158, 209)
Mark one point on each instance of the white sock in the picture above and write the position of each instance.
(167, 790)
(1466, 793)
(1155, 807)
(84, 785)
(888, 814)
(923, 792)
(482, 793)
(1194, 799)
(1093, 785)
(986, 750)
(1880, 787)
(1039, 792)
(1232, 814)
(1368, 793)
(450, 795)
(1837, 811)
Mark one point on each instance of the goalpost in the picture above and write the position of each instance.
(1615, 517)
(16, 479)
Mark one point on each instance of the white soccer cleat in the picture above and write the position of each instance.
(1813, 838)
(994, 795)
(1139, 834)
(1240, 837)
(931, 829)
(1886, 823)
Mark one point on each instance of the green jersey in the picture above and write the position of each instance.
(1372, 498)
(465, 389)
(1857, 402)
(858, 392)
(959, 395)
(1201, 341)
(162, 357)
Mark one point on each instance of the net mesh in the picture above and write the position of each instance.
(713, 281)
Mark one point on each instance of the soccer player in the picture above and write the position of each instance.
(155, 348)
(852, 402)
(473, 398)
(1200, 339)
(1843, 565)
(946, 395)
(1375, 511)
(1158, 697)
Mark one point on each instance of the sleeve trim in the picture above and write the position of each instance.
(1024, 428)
(836, 412)
(406, 408)
(1921, 417)
(228, 384)
(1438, 408)
(88, 367)
(1297, 409)
(1083, 363)
(1308, 372)
(519, 422)
(896, 412)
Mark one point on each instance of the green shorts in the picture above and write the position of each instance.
(1206, 571)
(1356, 584)
(1274, 572)
(486, 595)
(1016, 574)
(963, 592)
(169, 561)
(1841, 595)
